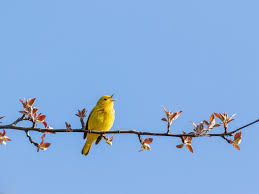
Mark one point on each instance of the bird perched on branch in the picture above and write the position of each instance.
(101, 118)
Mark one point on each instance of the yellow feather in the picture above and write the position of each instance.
(101, 118)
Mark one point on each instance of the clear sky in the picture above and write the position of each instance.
(196, 56)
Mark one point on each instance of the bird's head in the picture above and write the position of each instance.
(105, 100)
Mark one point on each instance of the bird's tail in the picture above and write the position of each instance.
(90, 139)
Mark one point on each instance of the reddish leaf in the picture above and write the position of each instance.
(68, 127)
(148, 140)
(206, 122)
(43, 136)
(3, 134)
(175, 115)
(180, 145)
(109, 140)
(24, 105)
(44, 146)
(212, 117)
(237, 138)
(81, 114)
(31, 101)
(3, 138)
(6, 139)
(41, 118)
(166, 112)
(238, 135)
(164, 119)
(45, 124)
(219, 116)
(34, 110)
(189, 148)
(236, 146)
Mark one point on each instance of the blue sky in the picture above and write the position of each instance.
(196, 56)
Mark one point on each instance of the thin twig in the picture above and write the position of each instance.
(225, 129)
(226, 139)
(140, 139)
(19, 120)
(29, 137)
(238, 129)
(82, 123)
(168, 127)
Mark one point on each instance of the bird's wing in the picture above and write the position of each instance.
(95, 109)
(86, 126)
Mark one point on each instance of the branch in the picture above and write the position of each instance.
(202, 129)
(28, 134)
(19, 120)
(140, 139)
(43, 130)
(30, 139)
(240, 128)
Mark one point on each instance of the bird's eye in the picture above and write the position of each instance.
(105, 98)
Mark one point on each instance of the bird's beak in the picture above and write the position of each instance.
(112, 97)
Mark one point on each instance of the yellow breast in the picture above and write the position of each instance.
(101, 119)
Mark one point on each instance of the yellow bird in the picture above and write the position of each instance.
(101, 118)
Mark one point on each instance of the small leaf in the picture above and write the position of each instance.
(6, 139)
(236, 146)
(189, 148)
(24, 105)
(164, 119)
(212, 117)
(194, 125)
(175, 115)
(3, 134)
(3, 138)
(180, 145)
(146, 146)
(148, 140)
(31, 101)
(45, 124)
(109, 142)
(230, 120)
(166, 112)
(40, 118)
(206, 122)
(238, 135)
(44, 146)
(43, 136)
(237, 138)
(34, 110)
(68, 127)
(219, 116)
(81, 114)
